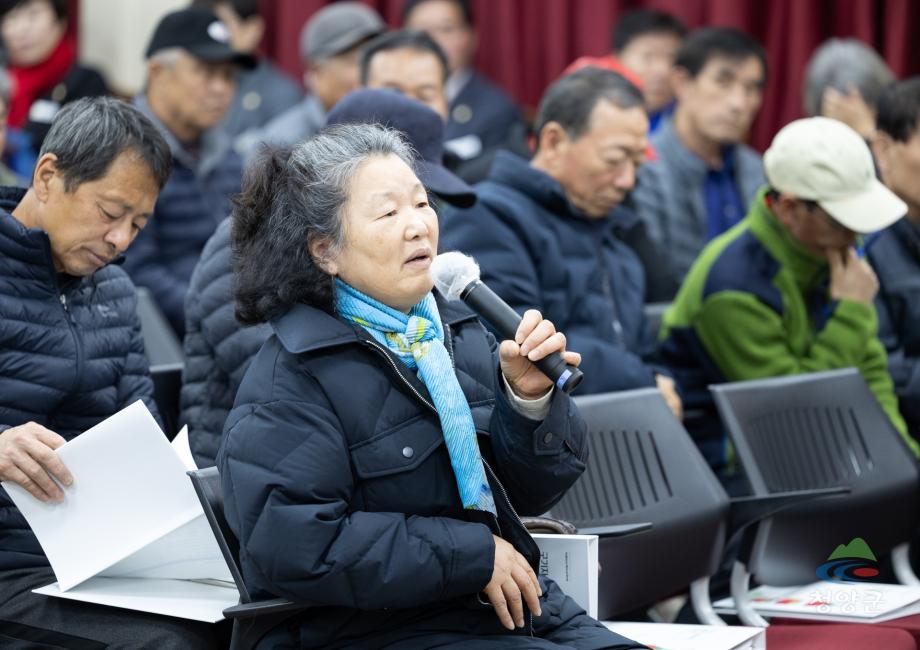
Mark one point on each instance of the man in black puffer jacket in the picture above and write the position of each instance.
(71, 352)
(217, 349)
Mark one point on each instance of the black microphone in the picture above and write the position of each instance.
(457, 278)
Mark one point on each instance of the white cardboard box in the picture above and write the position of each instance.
(571, 561)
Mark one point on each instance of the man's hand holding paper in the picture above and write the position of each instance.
(28, 459)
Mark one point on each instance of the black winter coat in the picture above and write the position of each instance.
(71, 353)
(896, 259)
(217, 348)
(537, 251)
(338, 483)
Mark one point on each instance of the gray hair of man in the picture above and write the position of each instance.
(292, 197)
(87, 135)
(6, 88)
(840, 63)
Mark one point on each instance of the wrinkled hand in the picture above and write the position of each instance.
(849, 108)
(27, 458)
(669, 390)
(851, 277)
(535, 338)
(513, 583)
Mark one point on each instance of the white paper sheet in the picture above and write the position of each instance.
(181, 598)
(183, 449)
(190, 552)
(841, 602)
(666, 636)
(130, 489)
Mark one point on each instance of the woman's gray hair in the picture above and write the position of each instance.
(292, 197)
(840, 63)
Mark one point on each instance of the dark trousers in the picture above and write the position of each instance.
(31, 621)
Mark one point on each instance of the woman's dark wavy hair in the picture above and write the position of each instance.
(291, 197)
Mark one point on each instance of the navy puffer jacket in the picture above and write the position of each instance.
(71, 353)
(537, 251)
(217, 349)
(338, 483)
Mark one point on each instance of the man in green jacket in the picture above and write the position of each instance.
(785, 291)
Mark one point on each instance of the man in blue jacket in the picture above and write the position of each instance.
(71, 352)
(543, 232)
(191, 81)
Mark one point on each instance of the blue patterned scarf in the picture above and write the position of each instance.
(417, 338)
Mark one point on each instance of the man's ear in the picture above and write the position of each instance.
(552, 139)
(321, 251)
(680, 81)
(881, 150)
(45, 176)
(785, 207)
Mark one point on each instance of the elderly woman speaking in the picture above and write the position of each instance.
(382, 443)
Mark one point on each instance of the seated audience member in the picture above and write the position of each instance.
(646, 41)
(263, 92)
(352, 469)
(191, 71)
(785, 292)
(704, 177)
(329, 44)
(843, 80)
(410, 62)
(7, 176)
(71, 352)
(896, 253)
(543, 232)
(217, 349)
(481, 116)
(41, 56)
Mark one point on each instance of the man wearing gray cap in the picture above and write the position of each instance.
(329, 45)
(786, 290)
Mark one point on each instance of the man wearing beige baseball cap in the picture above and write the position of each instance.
(786, 290)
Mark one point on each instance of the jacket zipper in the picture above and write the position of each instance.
(501, 488)
(78, 342)
(608, 293)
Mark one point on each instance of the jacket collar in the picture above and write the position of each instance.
(33, 243)
(516, 173)
(807, 268)
(669, 147)
(307, 329)
(215, 144)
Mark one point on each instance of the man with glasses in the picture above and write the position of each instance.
(787, 291)
(191, 81)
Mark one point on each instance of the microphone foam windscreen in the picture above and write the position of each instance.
(452, 272)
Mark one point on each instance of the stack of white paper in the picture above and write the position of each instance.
(845, 602)
(130, 531)
(666, 636)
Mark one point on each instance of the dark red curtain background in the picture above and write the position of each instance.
(525, 44)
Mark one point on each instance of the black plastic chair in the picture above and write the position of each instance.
(644, 466)
(165, 356)
(817, 431)
(251, 619)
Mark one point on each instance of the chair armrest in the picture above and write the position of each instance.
(261, 607)
(619, 530)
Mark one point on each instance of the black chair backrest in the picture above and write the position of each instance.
(165, 356)
(643, 467)
(820, 430)
(210, 493)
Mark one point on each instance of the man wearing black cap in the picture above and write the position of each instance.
(191, 80)
(329, 45)
(217, 349)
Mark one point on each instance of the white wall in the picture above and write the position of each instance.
(114, 35)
